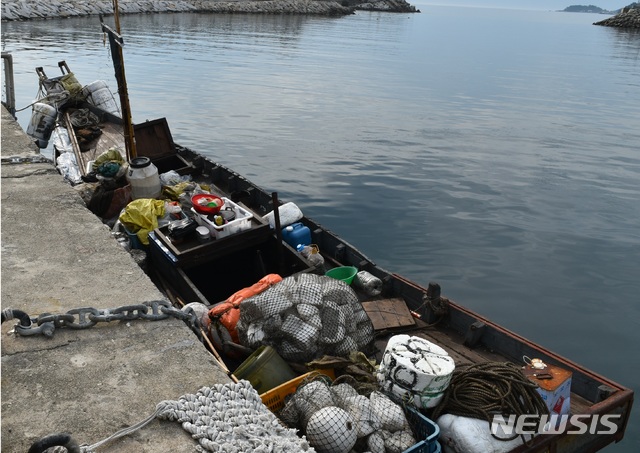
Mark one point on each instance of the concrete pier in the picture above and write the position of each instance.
(57, 256)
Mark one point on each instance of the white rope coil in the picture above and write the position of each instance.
(229, 418)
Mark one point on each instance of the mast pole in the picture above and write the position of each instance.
(116, 43)
(116, 15)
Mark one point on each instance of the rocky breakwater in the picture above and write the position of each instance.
(49, 9)
(626, 18)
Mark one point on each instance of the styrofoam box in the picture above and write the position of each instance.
(242, 221)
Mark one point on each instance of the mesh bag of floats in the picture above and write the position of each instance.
(304, 317)
(338, 418)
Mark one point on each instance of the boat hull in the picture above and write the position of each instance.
(468, 337)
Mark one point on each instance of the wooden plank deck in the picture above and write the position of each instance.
(112, 136)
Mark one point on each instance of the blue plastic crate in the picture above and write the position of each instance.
(423, 429)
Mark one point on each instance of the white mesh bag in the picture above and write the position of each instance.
(304, 317)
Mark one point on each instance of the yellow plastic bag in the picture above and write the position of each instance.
(141, 217)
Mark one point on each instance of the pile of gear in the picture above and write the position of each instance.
(335, 418)
(304, 317)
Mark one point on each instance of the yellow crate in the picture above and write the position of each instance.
(274, 399)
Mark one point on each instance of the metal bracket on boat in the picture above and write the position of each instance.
(474, 334)
(84, 318)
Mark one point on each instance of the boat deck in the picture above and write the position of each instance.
(111, 136)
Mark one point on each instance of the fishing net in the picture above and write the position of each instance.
(335, 418)
(304, 317)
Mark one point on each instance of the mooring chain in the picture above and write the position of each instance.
(35, 159)
(84, 318)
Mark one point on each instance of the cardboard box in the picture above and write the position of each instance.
(555, 391)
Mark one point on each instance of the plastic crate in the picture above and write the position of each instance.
(274, 399)
(242, 221)
(424, 429)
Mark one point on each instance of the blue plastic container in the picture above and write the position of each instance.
(295, 234)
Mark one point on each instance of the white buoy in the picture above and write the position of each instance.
(99, 94)
(43, 119)
(332, 430)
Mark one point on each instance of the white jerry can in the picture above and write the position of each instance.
(43, 119)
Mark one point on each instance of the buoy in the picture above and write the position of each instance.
(332, 430)
(43, 119)
(99, 94)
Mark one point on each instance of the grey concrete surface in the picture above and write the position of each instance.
(55, 256)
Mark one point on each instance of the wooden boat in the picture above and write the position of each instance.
(185, 270)
(468, 337)
(239, 260)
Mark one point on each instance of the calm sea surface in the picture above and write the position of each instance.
(496, 152)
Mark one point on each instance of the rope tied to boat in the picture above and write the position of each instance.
(485, 389)
(223, 418)
(84, 118)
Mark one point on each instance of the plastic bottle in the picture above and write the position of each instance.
(311, 253)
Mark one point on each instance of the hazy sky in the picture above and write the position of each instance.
(552, 5)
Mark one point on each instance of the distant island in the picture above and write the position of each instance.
(585, 9)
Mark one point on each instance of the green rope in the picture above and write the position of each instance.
(487, 389)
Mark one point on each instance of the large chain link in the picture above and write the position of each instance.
(36, 159)
(84, 318)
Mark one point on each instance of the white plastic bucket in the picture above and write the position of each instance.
(144, 179)
(99, 94)
(43, 119)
